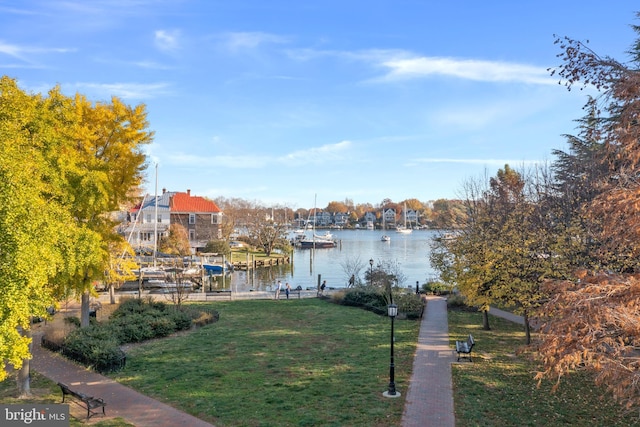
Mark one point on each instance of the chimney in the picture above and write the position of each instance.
(188, 192)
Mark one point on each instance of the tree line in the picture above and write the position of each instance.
(560, 243)
(239, 212)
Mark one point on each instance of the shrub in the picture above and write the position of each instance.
(365, 298)
(95, 346)
(457, 302)
(133, 328)
(436, 288)
(162, 326)
(181, 319)
(410, 304)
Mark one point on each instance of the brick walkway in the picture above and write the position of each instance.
(429, 399)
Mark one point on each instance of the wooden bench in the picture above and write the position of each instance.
(83, 400)
(217, 292)
(297, 290)
(463, 348)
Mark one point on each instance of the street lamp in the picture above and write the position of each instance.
(393, 312)
(371, 272)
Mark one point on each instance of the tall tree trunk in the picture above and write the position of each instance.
(485, 320)
(24, 374)
(84, 310)
(112, 294)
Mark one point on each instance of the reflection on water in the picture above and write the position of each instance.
(409, 251)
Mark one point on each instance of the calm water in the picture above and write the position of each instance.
(409, 251)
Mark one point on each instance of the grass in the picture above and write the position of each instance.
(498, 388)
(46, 391)
(285, 363)
(310, 363)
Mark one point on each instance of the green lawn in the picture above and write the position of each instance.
(313, 363)
(280, 363)
(498, 388)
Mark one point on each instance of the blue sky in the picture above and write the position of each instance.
(279, 100)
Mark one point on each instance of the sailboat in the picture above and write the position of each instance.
(316, 241)
(403, 228)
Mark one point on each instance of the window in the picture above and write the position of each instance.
(148, 218)
(192, 235)
(214, 219)
(192, 218)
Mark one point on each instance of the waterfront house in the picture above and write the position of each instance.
(389, 216)
(201, 218)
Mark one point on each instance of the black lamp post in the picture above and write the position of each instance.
(371, 272)
(393, 312)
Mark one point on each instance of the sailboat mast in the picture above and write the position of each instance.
(155, 222)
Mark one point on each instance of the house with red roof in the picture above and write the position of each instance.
(200, 217)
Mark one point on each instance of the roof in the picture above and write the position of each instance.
(185, 202)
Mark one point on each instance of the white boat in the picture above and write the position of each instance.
(327, 236)
(403, 228)
(385, 238)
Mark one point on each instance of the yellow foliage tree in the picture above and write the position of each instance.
(64, 165)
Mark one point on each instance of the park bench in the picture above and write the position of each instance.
(297, 290)
(89, 402)
(220, 292)
(463, 348)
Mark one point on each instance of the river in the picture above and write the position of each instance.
(409, 252)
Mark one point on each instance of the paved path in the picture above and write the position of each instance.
(122, 401)
(429, 399)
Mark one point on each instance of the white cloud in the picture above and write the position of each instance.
(228, 161)
(313, 155)
(317, 154)
(494, 162)
(468, 69)
(403, 65)
(11, 50)
(22, 52)
(249, 40)
(126, 90)
(167, 40)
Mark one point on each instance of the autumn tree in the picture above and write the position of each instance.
(592, 322)
(504, 250)
(448, 214)
(36, 230)
(121, 266)
(82, 161)
(266, 234)
(337, 207)
(464, 258)
(176, 242)
(103, 161)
